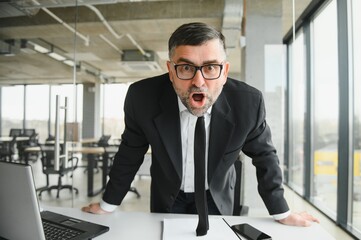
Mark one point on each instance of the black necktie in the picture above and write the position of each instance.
(199, 178)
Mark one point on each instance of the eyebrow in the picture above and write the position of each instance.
(192, 63)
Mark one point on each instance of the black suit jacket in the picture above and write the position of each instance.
(237, 124)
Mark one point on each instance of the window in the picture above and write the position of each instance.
(113, 114)
(325, 110)
(12, 105)
(37, 109)
(74, 109)
(356, 61)
(297, 76)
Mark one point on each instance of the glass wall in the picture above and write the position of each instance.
(113, 114)
(297, 78)
(74, 96)
(356, 61)
(12, 106)
(325, 106)
(327, 72)
(37, 109)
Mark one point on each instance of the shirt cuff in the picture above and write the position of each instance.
(281, 215)
(107, 207)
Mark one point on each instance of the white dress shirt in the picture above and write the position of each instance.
(188, 123)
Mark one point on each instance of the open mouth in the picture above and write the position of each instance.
(198, 100)
(198, 97)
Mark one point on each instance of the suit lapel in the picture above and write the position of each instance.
(168, 126)
(222, 125)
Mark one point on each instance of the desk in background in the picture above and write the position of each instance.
(91, 153)
(8, 139)
(140, 225)
(8, 145)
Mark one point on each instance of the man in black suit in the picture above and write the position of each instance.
(162, 111)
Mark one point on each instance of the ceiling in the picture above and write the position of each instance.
(110, 41)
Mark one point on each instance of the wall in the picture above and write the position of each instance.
(264, 31)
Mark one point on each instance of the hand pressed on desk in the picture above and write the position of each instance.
(94, 208)
(302, 219)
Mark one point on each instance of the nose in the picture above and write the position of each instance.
(198, 79)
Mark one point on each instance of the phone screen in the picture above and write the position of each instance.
(250, 232)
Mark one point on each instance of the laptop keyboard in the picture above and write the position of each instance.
(57, 232)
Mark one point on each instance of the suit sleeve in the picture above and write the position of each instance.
(130, 154)
(259, 147)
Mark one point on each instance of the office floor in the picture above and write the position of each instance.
(132, 203)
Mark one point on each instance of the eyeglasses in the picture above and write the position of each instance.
(187, 71)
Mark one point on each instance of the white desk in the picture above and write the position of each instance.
(9, 139)
(141, 225)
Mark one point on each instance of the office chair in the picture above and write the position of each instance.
(31, 142)
(47, 160)
(15, 132)
(7, 150)
(102, 142)
(28, 132)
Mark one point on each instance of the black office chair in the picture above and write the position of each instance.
(102, 142)
(47, 160)
(31, 142)
(238, 208)
(28, 132)
(7, 150)
(15, 132)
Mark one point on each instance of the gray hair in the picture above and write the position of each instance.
(194, 34)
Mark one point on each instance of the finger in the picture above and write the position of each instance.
(305, 223)
(309, 217)
(296, 220)
(91, 208)
(87, 208)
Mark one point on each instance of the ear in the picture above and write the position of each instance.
(225, 72)
(225, 69)
(170, 71)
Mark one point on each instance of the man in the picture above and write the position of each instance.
(162, 112)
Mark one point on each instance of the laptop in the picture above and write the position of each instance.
(20, 213)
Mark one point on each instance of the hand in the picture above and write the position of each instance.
(302, 219)
(94, 208)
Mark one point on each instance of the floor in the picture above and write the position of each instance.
(142, 183)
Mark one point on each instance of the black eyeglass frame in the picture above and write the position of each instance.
(198, 68)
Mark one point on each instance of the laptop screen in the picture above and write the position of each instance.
(20, 213)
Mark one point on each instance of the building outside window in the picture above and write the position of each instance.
(12, 106)
(297, 76)
(355, 52)
(325, 109)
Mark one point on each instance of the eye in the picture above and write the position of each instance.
(187, 68)
(210, 68)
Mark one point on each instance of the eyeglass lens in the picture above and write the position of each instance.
(186, 71)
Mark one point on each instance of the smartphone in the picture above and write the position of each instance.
(250, 232)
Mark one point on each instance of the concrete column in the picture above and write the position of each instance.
(263, 29)
(91, 111)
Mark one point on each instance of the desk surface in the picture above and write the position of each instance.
(87, 150)
(8, 138)
(141, 225)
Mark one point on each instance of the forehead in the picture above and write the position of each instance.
(209, 51)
